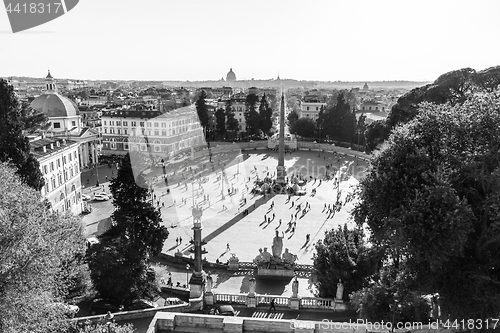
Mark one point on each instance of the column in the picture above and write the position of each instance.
(80, 156)
(95, 154)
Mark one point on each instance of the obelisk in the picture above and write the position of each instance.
(280, 169)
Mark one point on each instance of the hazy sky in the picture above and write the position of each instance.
(306, 40)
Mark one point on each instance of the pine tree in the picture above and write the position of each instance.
(120, 263)
(231, 122)
(265, 114)
(202, 109)
(14, 146)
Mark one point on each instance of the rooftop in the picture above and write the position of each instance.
(37, 146)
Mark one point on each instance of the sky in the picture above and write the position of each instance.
(330, 40)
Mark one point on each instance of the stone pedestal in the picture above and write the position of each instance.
(341, 305)
(209, 298)
(234, 263)
(294, 303)
(251, 301)
(196, 285)
(280, 175)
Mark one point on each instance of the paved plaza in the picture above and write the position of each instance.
(226, 228)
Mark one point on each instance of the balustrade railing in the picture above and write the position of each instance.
(231, 298)
(317, 303)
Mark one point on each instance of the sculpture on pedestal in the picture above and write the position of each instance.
(340, 290)
(295, 287)
(277, 247)
(209, 283)
(251, 286)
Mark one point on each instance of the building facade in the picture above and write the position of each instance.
(311, 109)
(60, 167)
(154, 132)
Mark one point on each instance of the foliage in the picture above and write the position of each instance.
(304, 127)
(344, 255)
(265, 114)
(361, 128)
(338, 121)
(375, 133)
(252, 117)
(99, 327)
(388, 299)
(292, 118)
(14, 146)
(431, 199)
(220, 116)
(41, 256)
(120, 262)
(32, 120)
(231, 122)
(453, 87)
(202, 109)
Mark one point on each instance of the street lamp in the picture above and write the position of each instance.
(187, 274)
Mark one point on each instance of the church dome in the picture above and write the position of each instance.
(55, 105)
(230, 75)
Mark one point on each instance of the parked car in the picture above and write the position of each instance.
(69, 310)
(223, 310)
(174, 301)
(139, 304)
(104, 193)
(85, 197)
(100, 197)
(102, 306)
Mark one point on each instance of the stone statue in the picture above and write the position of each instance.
(289, 258)
(251, 286)
(340, 290)
(277, 247)
(209, 284)
(266, 256)
(258, 259)
(295, 288)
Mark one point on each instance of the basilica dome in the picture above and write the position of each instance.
(55, 105)
(230, 75)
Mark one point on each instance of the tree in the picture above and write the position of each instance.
(292, 118)
(32, 120)
(220, 116)
(338, 120)
(453, 87)
(120, 262)
(375, 133)
(304, 127)
(361, 128)
(265, 114)
(251, 115)
(431, 199)
(343, 255)
(99, 327)
(14, 146)
(231, 122)
(41, 259)
(202, 109)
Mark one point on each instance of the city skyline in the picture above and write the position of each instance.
(200, 40)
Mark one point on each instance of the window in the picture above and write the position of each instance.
(51, 166)
(59, 179)
(64, 159)
(46, 187)
(369, 108)
(141, 124)
(112, 123)
(111, 131)
(73, 188)
(105, 131)
(105, 122)
(76, 169)
(317, 108)
(118, 131)
(156, 124)
(164, 132)
(157, 132)
(73, 123)
(307, 108)
(125, 131)
(149, 132)
(148, 124)
(118, 123)
(45, 169)
(125, 123)
(57, 125)
(133, 123)
(71, 173)
(163, 125)
(58, 163)
(53, 183)
(65, 175)
(74, 154)
(125, 146)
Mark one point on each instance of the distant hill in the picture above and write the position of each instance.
(287, 83)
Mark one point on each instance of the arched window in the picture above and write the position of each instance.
(73, 188)
(61, 197)
(157, 145)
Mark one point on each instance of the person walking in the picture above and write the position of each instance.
(272, 305)
(228, 248)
